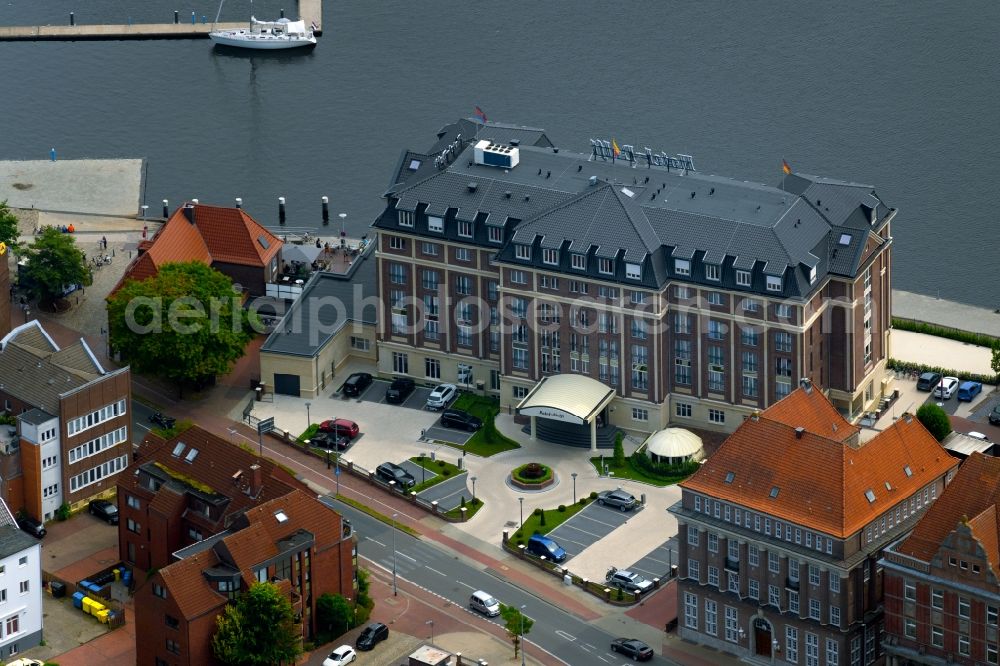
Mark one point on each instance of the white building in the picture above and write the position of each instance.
(20, 587)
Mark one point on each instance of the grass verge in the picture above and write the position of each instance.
(376, 515)
(472, 509)
(553, 519)
(630, 471)
(486, 441)
(308, 434)
(442, 469)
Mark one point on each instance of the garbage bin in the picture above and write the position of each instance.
(58, 589)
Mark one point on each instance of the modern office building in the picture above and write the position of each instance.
(781, 530)
(20, 587)
(942, 593)
(695, 298)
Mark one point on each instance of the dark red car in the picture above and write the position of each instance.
(343, 427)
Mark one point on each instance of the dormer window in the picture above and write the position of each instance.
(773, 283)
(812, 275)
(465, 229)
(405, 218)
(435, 224)
(713, 272)
(580, 262)
(523, 252)
(605, 266)
(682, 266)
(550, 256)
(496, 234)
(743, 278)
(633, 271)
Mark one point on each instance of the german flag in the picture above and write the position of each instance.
(785, 168)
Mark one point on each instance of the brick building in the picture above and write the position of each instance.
(942, 593)
(294, 541)
(780, 532)
(697, 298)
(182, 491)
(73, 422)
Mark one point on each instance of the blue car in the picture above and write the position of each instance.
(969, 390)
(542, 546)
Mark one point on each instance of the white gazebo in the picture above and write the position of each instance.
(674, 446)
(575, 399)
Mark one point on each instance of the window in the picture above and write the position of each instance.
(713, 576)
(522, 251)
(639, 297)
(732, 624)
(518, 277)
(991, 653)
(937, 637)
(400, 363)
(548, 282)
(97, 473)
(773, 283)
(783, 341)
(716, 298)
(814, 609)
(694, 569)
(397, 243)
(640, 414)
(463, 285)
(734, 582)
(430, 249)
(754, 589)
(173, 647)
(716, 416)
(496, 234)
(435, 224)
(22, 561)
(682, 323)
(463, 254)
(749, 337)
(579, 261)
(963, 644)
(361, 344)
(909, 590)
(432, 368)
(713, 272)
(690, 610)
(97, 417)
(753, 555)
(683, 410)
(97, 445)
(834, 582)
(682, 267)
(832, 652)
(835, 615)
(910, 628)
(133, 526)
(12, 626)
(774, 596)
(633, 271)
(773, 562)
(605, 266)
(640, 375)
(171, 621)
(750, 386)
(692, 536)
(743, 278)
(25, 586)
(638, 329)
(792, 644)
(713, 542)
(991, 615)
(520, 359)
(465, 228)
(783, 311)
(793, 601)
(711, 618)
(550, 256)
(963, 607)
(716, 330)
(405, 218)
(812, 649)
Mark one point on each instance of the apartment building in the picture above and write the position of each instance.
(184, 490)
(781, 530)
(697, 298)
(73, 422)
(294, 541)
(20, 587)
(942, 594)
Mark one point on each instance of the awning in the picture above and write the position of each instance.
(569, 398)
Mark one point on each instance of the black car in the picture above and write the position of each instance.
(162, 420)
(456, 418)
(928, 381)
(330, 441)
(357, 383)
(632, 648)
(105, 510)
(31, 526)
(994, 416)
(388, 471)
(371, 635)
(400, 390)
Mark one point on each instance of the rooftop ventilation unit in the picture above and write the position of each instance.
(493, 154)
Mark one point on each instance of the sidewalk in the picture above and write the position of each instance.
(944, 352)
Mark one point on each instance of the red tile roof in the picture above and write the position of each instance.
(186, 585)
(220, 234)
(975, 492)
(820, 482)
(810, 409)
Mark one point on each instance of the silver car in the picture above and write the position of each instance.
(618, 499)
(628, 581)
(441, 396)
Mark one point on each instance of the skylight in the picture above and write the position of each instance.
(414, 165)
(191, 455)
(280, 516)
(730, 476)
(627, 192)
(845, 239)
(774, 492)
(888, 486)
(909, 472)
(178, 448)
(263, 242)
(870, 496)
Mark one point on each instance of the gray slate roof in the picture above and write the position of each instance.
(329, 301)
(14, 540)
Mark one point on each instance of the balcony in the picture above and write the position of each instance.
(732, 565)
(792, 584)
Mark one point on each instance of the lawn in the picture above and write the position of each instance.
(443, 470)
(471, 510)
(482, 442)
(553, 519)
(364, 508)
(632, 472)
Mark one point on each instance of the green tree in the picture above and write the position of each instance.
(995, 361)
(8, 226)
(185, 324)
(53, 262)
(258, 630)
(334, 615)
(517, 625)
(619, 451)
(935, 420)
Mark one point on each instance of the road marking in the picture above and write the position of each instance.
(608, 661)
(588, 646)
(569, 637)
(435, 571)
(601, 522)
(407, 557)
(374, 541)
(466, 585)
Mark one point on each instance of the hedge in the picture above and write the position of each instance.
(968, 337)
(906, 366)
(664, 470)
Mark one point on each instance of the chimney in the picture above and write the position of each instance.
(189, 212)
(755, 415)
(256, 480)
(798, 432)
(806, 384)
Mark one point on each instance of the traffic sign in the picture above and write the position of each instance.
(265, 425)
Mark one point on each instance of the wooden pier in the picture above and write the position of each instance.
(310, 11)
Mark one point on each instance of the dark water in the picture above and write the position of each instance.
(902, 95)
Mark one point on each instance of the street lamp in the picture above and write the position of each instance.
(473, 491)
(521, 639)
(308, 420)
(343, 234)
(521, 500)
(574, 486)
(394, 591)
(431, 622)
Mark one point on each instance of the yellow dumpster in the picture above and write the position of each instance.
(118, 574)
(97, 608)
(88, 605)
(102, 616)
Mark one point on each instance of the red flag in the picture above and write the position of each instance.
(481, 115)
(785, 167)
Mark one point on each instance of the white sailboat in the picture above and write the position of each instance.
(265, 35)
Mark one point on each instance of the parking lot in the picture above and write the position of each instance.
(588, 527)
(657, 563)
(376, 393)
(448, 493)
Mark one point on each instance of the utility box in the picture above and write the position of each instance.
(427, 655)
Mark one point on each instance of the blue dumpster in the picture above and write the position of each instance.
(126, 577)
(78, 600)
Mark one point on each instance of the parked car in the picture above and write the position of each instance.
(969, 390)
(371, 635)
(441, 396)
(978, 435)
(946, 388)
(400, 390)
(483, 602)
(330, 441)
(618, 499)
(25, 661)
(456, 418)
(928, 381)
(105, 510)
(994, 416)
(357, 383)
(542, 546)
(162, 420)
(388, 471)
(343, 427)
(31, 526)
(628, 581)
(632, 648)
(345, 654)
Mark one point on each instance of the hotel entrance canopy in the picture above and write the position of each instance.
(568, 398)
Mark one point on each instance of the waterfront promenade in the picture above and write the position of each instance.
(945, 313)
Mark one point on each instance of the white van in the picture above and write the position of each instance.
(483, 602)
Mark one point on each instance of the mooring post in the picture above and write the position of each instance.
(281, 210)
(72, 19)
(194, 19)
(177, 17)
(326, 211)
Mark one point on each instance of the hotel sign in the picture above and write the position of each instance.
(602, 149)
(550, 413)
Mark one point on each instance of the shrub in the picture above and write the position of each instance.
(935, 420)
(619, 450)
(62, 513)
(961, 375)
(462, 505)
(440, 463)
(967, 337)
(645, 464)
(562, 508)
(541, 519)
(593, 494)
(533, 471)
(583, 500)
(446, 472)
(538, 512)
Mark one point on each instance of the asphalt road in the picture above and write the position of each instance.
(140, 421)
(563, 635)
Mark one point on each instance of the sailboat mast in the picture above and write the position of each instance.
(218, 13)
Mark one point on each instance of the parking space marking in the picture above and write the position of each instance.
(601, 522)
(593, 534)
(563, 634)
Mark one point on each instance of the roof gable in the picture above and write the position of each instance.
(809, 408)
